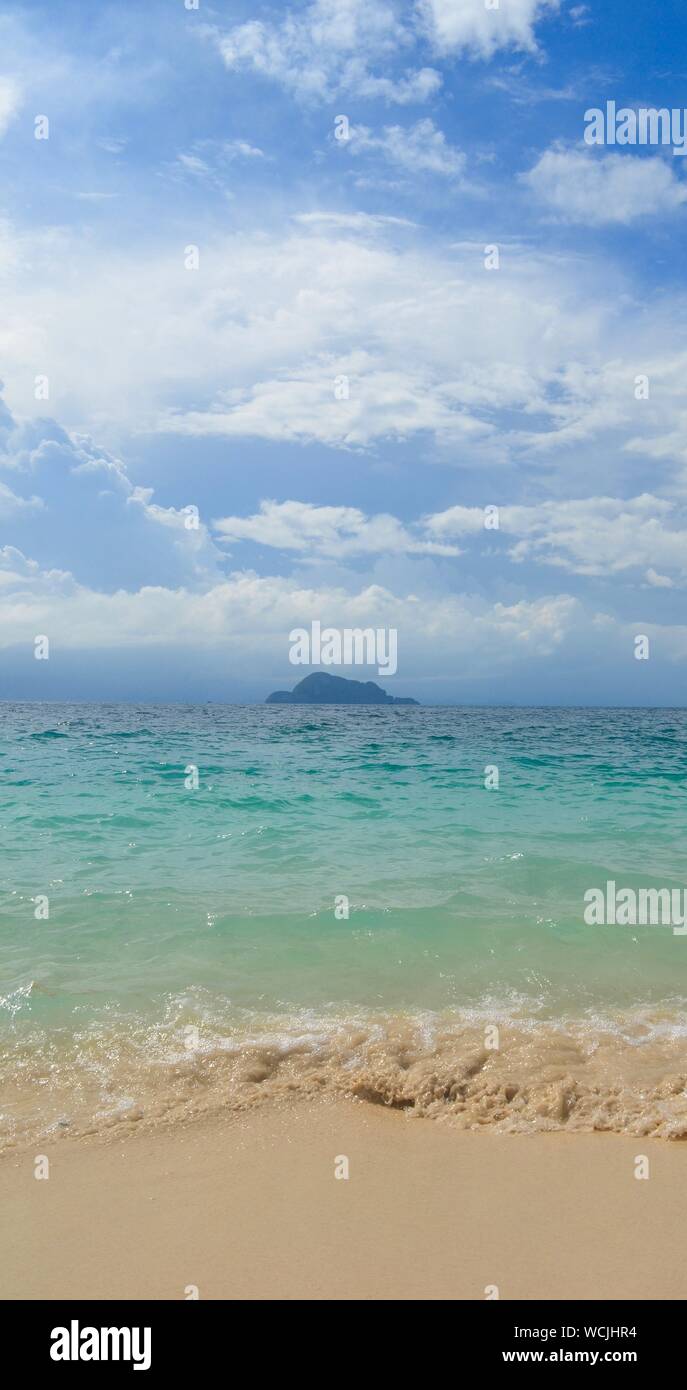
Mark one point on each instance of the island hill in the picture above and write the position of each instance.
(323, 689)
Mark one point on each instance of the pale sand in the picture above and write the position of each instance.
(249, 1208)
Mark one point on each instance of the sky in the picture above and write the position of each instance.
(289, 295)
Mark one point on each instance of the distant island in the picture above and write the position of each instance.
(323, 689)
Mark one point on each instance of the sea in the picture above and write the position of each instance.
(204, 908)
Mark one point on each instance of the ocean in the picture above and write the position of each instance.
(204, 907)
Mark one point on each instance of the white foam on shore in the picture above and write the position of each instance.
(625, 1072)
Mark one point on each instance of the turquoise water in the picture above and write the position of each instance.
(173, 908)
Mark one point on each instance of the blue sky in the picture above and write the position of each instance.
(136, 387)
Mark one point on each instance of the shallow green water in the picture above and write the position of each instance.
(170, 905)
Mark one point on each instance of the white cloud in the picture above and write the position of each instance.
(252, 343)
(314, 51)
(173, 591)
(596, 536)
(336, 532)
(252, 616)
(419, 149)
(74, 499)
(244, 149)
(457, 26)
(303, 407)
(602, 190)
(659, 581)
(412, 89)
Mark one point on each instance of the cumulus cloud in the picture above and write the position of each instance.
(142, 580)
(541, 356)
(593, 536)
(659, 581)
(314, 51)
(336, 532)
(119, 573)
(602, 190)
(306, 406)
(471, 26)
(589, 536)
(254, 615)
(447, 343)
(417, 149)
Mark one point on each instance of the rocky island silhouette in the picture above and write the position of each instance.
(322, 689)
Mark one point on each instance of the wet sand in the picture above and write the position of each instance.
(249, 1207)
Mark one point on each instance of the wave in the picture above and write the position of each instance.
(625, 1073)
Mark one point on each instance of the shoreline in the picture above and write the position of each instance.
(625, 1075)
(248, 1207)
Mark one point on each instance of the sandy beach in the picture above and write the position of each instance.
(249, 1207)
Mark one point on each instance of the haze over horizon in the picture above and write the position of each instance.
(310, 424)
